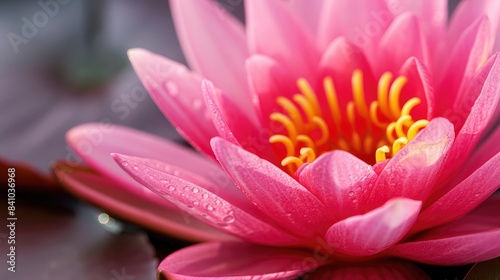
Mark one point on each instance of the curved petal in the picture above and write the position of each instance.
(234, 260)
(234, 126)
(375, 231)
(480, 116)
(469, 11)
(268, 80)
(414, 170)
(307, 13)
(463, 197)
(340, 180)
(95, 142)
(221, 208)
(432, 15)
(468, 55)
(177, 92)
(121, 203)
(214, 44)
(272, 31)
(473, 238)
(420, 85)
(363, 30)
(402, 40)
(273, 191)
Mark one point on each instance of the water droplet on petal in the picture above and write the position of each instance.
(135, 167)
(351, 193)
(171, 188)
(196, 203)
(125, 163)
(217, 202)
(195, 190)
(205, 196)
(172, 88)
(228, 219)
(163, 181)
(209, 207)
(288, 214)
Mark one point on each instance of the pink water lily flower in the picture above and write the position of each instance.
(330, 130)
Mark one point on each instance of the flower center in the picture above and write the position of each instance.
(371, 132)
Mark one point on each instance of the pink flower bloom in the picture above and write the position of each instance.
(353, 134)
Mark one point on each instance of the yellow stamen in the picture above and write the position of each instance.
(286, 122)
(410, 104)
(380, 153)
(287, 142)
(402, 121)
(383, 91)
(398, 144)
(394, 94)
(359, 93)
(305, 105)
(307, 154)
(414, 128)
(306, 140)
(292, 111)
(324, 130)
(373, 115)
(333, 102)
(308, 92)
(379, 126)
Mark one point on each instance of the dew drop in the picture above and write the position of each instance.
(228, 219)
(125, 163)
(209, 207)
(217, 202)
(354, 201)
(163, 181)
(195, 190)
(135, 167)
(351, 193)
(172, 88)
(171, 188)
(205, 196)
(196, 203)
(186, 188)
(288, 214)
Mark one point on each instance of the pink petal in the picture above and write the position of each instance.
(233, 126)
(95, 142)
(234, 260)
(123, 204)
(214, 44)
(432, 15)
(224, 209)
(413, 172)
(469, 11)
(307, 13)
(375, 231)
(340, 181)
(473, 238)
(402, 40)
(273, 191)
(268, 80)
(272, 31)
(177, 92)
(468, 55)
(464, 196)
(480, 116)
(419, 85)
(372, 17)
(339, 61)
(379, 270)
